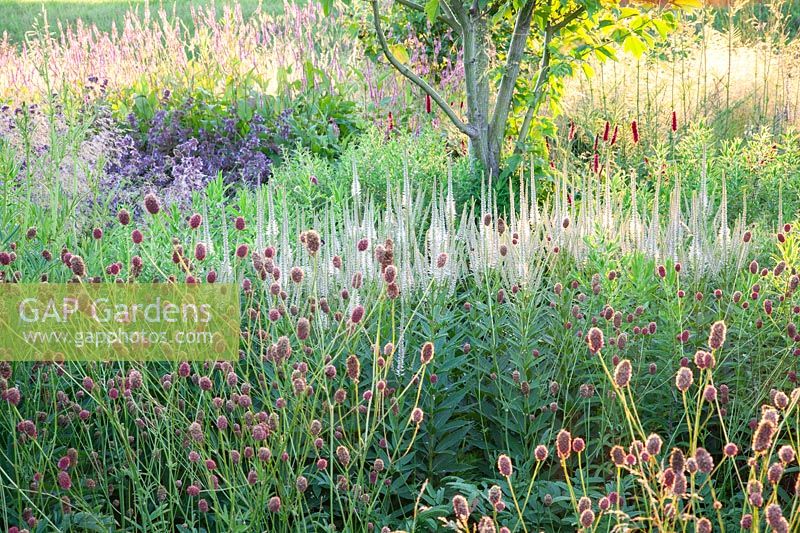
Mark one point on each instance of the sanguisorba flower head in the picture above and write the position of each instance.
(717, 336)
(353, 367)
(540, 453)
(313, 241)
(303, 328)
(357, 314)
(622, 373)
(461, 508)
(504, 466)
(594, 339)
(775, 518)
(653, 444)
(684, 379)
(77, 265)
(151, 203)
(426, 353)
(343, 455)
(762, 438)
(563, 444)
(274, 504)
(587, 518)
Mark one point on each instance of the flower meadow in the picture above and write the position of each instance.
(382, 351)
(605, 337)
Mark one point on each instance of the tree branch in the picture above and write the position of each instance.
(544, 71)
(544, 67)
(516, 49)
(464, 128)
(419, 7)
(558, 26)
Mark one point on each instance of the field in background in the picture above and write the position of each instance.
(19, 16)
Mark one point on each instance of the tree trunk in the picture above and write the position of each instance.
(484, 147)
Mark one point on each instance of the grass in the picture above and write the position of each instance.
(19, 16)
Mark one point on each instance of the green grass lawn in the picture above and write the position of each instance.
(18, 16)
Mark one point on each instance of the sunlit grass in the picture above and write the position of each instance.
(18, 16)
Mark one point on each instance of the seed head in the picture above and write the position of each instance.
(417, 415)
(710, 393)
(274, 504)
(578, 445)
(64, 481)
(677, 461)
(587, 518)
(774, 515)
(730, 450)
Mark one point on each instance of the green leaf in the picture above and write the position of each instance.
(400, 53)
(326, 7)
(432, 9)
(634, 45)
(662, 27)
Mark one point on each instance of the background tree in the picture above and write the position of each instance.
(515, 55)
